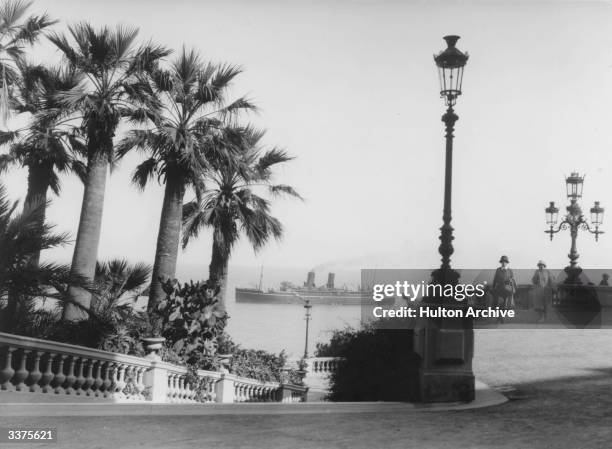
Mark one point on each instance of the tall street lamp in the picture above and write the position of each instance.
(307, 307)
(446, 345)
(574, 220)
(450, 63)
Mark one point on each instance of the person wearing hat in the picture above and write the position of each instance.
(542, 291)
(604, 280)
(504, 286)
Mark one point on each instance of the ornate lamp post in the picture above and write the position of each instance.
(574, 220)
(446, 345)
(450, 63)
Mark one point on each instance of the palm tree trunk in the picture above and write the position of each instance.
(217, 270)
(39, 176)
(88, 235)
(168, 238)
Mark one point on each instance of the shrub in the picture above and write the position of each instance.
(191, 320)
(377, 365)
(257, 364)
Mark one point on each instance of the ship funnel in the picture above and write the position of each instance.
(310, 282)
(330, 280)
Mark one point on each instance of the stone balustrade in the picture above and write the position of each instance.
(322, 365)
(249, 390)
(40, 367)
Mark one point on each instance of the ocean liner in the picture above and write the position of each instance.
(288, 293)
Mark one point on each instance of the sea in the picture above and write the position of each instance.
(277, 327)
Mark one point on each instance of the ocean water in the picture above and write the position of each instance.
(276, 327)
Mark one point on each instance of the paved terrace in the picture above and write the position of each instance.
(559, 383)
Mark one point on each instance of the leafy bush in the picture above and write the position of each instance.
(377, 365)
(191, 320)
(257, 364)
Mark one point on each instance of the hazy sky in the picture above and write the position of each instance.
(350, 88)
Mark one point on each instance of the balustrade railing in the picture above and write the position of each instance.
(39, 366)
(30, 365)
(322, 365)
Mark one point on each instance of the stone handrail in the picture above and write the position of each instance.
(40, 366)
(31, 365)
(322, 365)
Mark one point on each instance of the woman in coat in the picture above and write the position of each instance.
(542, 292)
(504, 286)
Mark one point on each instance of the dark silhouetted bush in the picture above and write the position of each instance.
(377, 365)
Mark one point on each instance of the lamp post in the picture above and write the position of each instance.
(446, 345)
(307, 307)
(574, 220)
(450, 63)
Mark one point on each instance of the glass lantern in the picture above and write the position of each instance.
(450, 64)
(552, 213)
(597, 214)
(574, 186)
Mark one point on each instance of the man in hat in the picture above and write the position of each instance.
(542, 292)
(504, 286)
(604, 280)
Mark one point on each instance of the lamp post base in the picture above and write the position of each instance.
(573, 275)
(447, 386)
(446, 347)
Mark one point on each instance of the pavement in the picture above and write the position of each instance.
(485, 397)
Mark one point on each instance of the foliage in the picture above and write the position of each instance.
(17, 32)
(231, 203)
(191, 320)
(46, 143)
(257, 364)
(113, 324)
(338, 343)
(377, 365)
(188, 117)
(22, 284)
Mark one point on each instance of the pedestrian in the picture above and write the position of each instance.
(504, 286)
(542, 292)
(604, 280)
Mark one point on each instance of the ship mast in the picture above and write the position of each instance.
(260, 279)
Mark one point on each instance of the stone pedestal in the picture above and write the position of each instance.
(446, 347)
(225, 391)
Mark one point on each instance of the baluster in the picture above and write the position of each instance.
(22, 373)
(59, 377)
(80, 378)
(7, 372)
(120, 382)
(170, 387)
(47, 377)
(192, 391)
(70, 378)
(105, 388)
(113, 373)
(88, 381)
(212, 390)
(140, 386)
(35, 374)
(98, 381)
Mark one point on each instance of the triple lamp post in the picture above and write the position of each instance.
(574, 220)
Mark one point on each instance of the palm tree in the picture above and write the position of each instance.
(16, 33)
(45, 147)
(188, 130)
(22, 284)
(113, 86)
(232, 206)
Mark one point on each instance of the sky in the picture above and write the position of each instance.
(350, 89)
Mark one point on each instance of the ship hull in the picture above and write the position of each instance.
(328, 298)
